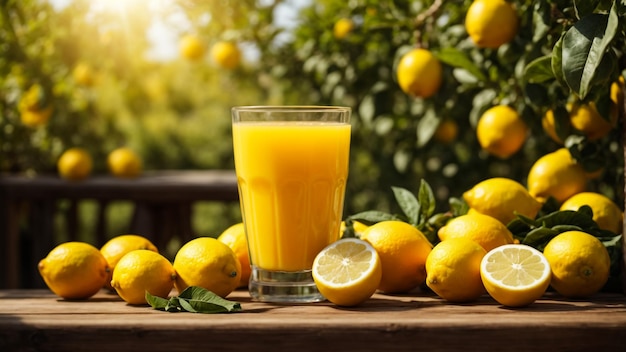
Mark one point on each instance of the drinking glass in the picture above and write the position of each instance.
(292, 165)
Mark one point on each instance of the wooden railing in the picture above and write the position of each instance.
(162, 205)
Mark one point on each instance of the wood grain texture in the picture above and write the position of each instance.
(37, 320)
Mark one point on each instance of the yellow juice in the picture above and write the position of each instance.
(292, 178)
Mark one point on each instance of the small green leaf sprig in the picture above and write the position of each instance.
(194, 299)
(418, 211)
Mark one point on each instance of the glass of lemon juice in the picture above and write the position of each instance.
(292, 165)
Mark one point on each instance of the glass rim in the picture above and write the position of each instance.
(290, 108)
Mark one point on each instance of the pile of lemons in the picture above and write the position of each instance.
(131, 265)
(476, 253)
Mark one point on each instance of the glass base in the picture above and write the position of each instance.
(283, 286)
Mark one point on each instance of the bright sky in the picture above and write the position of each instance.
(164, 38)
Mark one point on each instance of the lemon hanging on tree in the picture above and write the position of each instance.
(491, 23)
(226, 55)
(501, 131)
(419, 73)
(191, 47)
(342, 28)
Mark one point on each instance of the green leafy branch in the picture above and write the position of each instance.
(193, 299)
(418, 211)
(538, 232)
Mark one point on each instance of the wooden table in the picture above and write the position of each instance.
(37, 320)
(160, 198)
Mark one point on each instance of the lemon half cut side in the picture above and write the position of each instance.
(347, 272)
(515, 275)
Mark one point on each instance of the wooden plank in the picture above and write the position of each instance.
(419, 322)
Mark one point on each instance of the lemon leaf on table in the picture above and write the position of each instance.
(194, 299)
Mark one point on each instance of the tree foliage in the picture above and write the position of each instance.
(176, 113)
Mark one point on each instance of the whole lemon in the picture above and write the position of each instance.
(587, 119)
(74, 270)
(402, 249)
(491, 23)
(124, 163)
(191, 47)
(501, 131)
(447, 131)
(453, 270)
(501, 198)
(549, 126)
(35, 117)
(83, 74)
(482, 229)
(34, 107)
(419, 73)
(342, 28)
(75, 164)
(226, 55)
(580, 264)
(115, 248)
(235, 238)
(556, 175)
(208, 263)
(140, 271)
(606, 213)
(617, 94)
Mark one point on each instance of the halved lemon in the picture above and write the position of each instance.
(347, 272)
(515, 275)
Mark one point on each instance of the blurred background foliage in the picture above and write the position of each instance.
(87, 69)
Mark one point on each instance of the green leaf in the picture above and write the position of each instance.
(200, 300)
(539, 237)
(585, 58)
(458, 206)
(541, 20)
(372, 216)
(427, 126)
(580, 218)
(194, 299)
(456, 58)
(562, 125)
(539, 70)
(427, 201)
(557, 62)
(156, 302)
(585, 7)
(408, 203)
